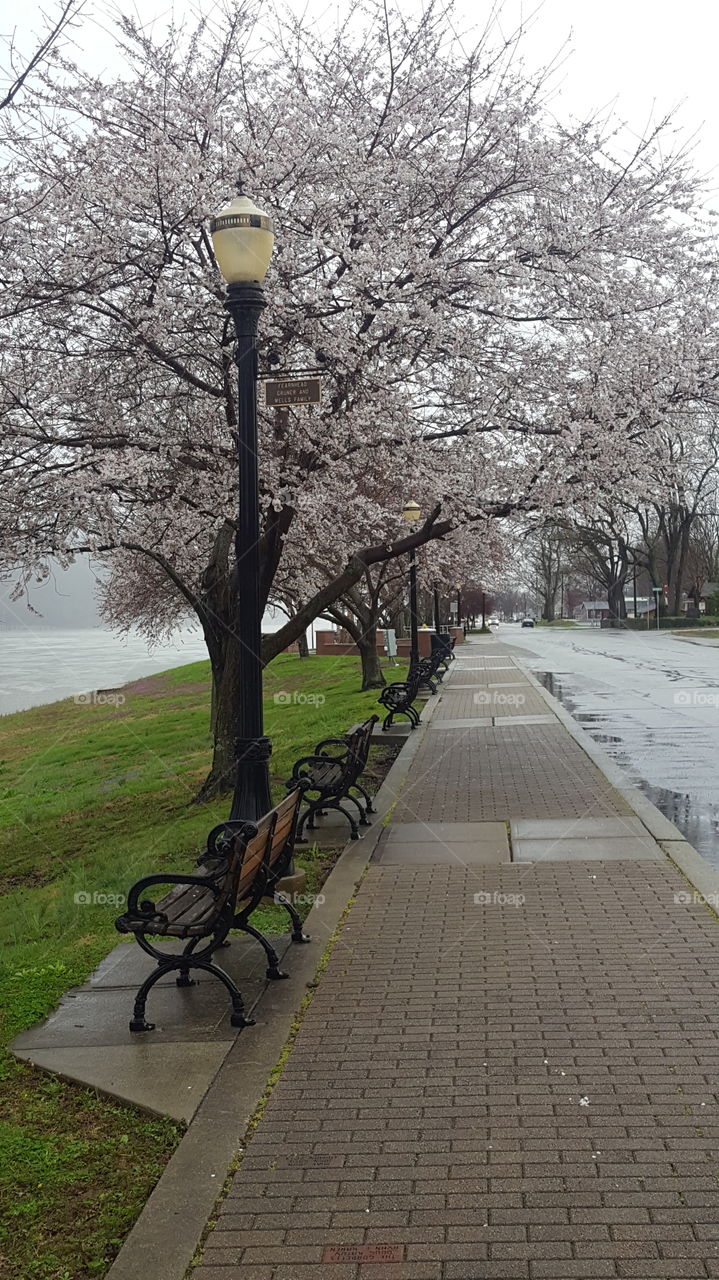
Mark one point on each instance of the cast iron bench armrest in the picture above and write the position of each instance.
(167, 877)
(393, 692)
(298, 777)
(332, 742)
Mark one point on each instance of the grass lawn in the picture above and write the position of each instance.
(91, 797)
(700, 633)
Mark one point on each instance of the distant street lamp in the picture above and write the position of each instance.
(437, 620)
(242, 238)
(411, 514)
(459, 605)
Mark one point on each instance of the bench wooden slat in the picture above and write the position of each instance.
(286, 817)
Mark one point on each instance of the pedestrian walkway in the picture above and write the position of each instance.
(509, 1067)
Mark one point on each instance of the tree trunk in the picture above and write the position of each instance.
(225, 700)
(372, 677)
(615, 598)
(675, 598)
(303, 647)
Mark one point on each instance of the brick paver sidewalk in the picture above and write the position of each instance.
(508, 1069)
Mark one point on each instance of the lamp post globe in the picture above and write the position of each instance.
(411, 513)
(242, 239)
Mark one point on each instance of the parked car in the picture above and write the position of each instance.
(527, 622)
(493, 622)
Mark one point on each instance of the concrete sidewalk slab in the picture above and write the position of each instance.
(165, 1078)
(469, 843)
(519, 718)
(509, 684)
(443, 852)
(575, 828)
(584, 849)
(469, 722)
(458, 832)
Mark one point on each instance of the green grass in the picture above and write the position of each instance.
(708, 634)
(91, 797)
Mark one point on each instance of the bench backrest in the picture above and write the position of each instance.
(252, 855)
(358, 744)
(283, 833)
(414, 679)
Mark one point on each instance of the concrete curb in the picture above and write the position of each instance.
(165, 1237)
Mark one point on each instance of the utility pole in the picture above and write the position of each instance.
(657, 593)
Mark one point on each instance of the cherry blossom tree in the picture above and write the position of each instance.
(19, 65)
(502, 307)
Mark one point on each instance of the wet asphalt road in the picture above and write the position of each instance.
(652, 702)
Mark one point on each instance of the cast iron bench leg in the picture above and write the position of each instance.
(297, 933)
(369, 807)
(237, 1018)
(273, 960)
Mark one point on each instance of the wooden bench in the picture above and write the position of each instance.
(397, 699)
(433, 669)
(329, 776)
(243, 864)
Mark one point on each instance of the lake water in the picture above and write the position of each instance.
(45, 665)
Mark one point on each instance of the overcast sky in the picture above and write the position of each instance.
(646, 56)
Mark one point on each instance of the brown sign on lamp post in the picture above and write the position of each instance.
(282, 392)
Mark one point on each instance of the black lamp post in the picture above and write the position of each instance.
(242, 238)
(410, 514)
(437, 620)
(459, 605)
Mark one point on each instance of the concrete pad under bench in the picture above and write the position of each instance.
(168, 1070)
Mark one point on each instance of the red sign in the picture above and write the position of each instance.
(363, 1253)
